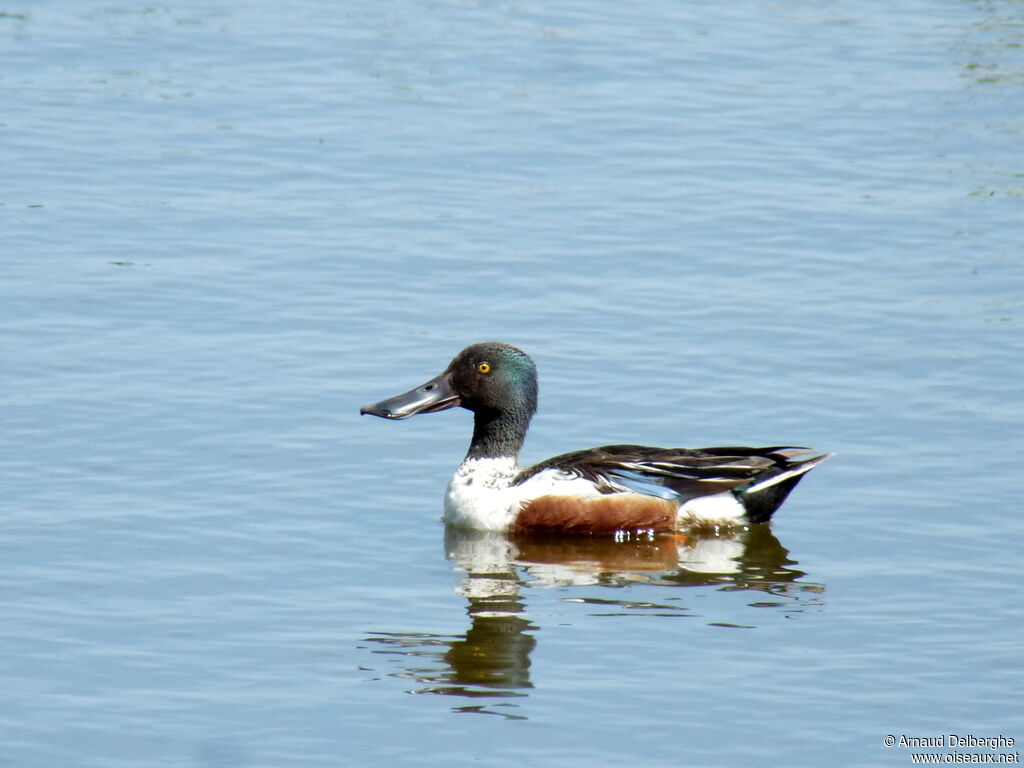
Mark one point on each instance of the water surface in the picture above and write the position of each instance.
(225, 229)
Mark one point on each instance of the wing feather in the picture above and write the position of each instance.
(676, 473)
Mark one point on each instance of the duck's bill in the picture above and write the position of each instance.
(435, 395)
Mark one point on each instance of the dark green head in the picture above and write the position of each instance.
(491, 379)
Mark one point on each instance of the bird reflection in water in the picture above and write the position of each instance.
(489, 666)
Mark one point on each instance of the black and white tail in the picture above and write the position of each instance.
(770, 489)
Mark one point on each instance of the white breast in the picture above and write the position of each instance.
(480, 495)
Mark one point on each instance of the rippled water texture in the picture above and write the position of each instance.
(226, 226)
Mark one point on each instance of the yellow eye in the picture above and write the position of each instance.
(483, 367)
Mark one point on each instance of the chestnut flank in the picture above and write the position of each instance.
(600, 515)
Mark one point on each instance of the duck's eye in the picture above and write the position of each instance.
(483, 367)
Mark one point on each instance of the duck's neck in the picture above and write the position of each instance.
(498, 435)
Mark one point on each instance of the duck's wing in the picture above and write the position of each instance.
(671, 473)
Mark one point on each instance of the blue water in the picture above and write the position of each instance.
(224, 227)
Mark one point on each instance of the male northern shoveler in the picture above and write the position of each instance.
(597, 491)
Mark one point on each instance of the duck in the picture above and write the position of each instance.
(612, 490)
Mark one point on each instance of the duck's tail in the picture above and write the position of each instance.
(761, 498)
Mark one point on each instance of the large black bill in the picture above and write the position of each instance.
(435, 395)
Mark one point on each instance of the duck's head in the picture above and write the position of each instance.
(491, 379)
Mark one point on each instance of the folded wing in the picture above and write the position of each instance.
(673, 473)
